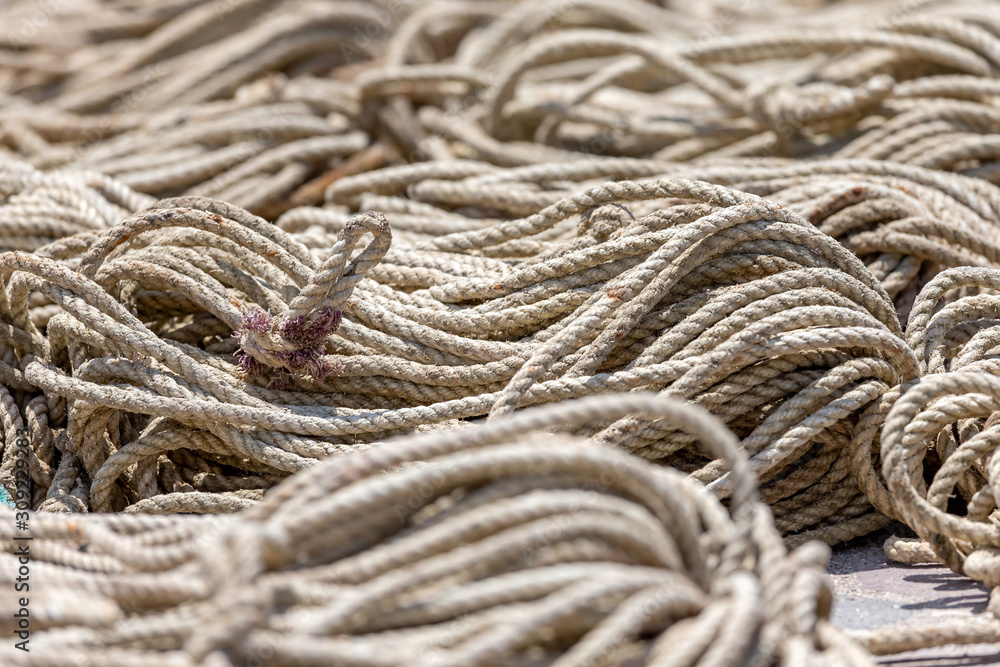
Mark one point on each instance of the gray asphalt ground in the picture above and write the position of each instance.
(871, 592)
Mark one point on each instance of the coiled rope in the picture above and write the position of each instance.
(729, 301)
(784, 216)
(479, 546)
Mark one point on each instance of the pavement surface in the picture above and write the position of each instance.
(870, 592)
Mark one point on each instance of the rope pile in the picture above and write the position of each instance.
(168, 103)
(948, 422)
(164, 98)
(907, 223)
(498, 545)
(730, 301)
(39, 208)
(364, 295)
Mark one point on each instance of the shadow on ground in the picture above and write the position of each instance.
(871, 592)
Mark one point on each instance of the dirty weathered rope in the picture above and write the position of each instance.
(500, 544)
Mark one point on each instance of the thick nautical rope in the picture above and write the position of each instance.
(585, 198)
(732, 302)
(499, 544)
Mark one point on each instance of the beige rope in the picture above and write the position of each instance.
(733, 303)
(477, 546)
(782, 217)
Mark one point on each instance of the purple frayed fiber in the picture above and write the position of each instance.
(332, 367)
(254, 319)
(311, 342)
(250, 367)
(306, 360)
(316, 332)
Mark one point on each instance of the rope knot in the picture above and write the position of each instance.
(292, 345)
(295, 345)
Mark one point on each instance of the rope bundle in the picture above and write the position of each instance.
(474, 547)
(548, 81)
(256, 150)
(906, 223)
(481, 207)
(98, 57)
(40, 207)
(143, 104)
(729, 301)
(944, 427)
(947, 421)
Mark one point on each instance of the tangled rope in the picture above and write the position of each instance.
(948, 418)
(164, 99)
(907, 223)
(474, 547)
(730, 301)
(319, 279)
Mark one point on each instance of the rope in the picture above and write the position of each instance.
(519, 333)
(733, 302)
(457, 548)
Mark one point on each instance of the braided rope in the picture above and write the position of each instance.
(782, 221)
(361, 557)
